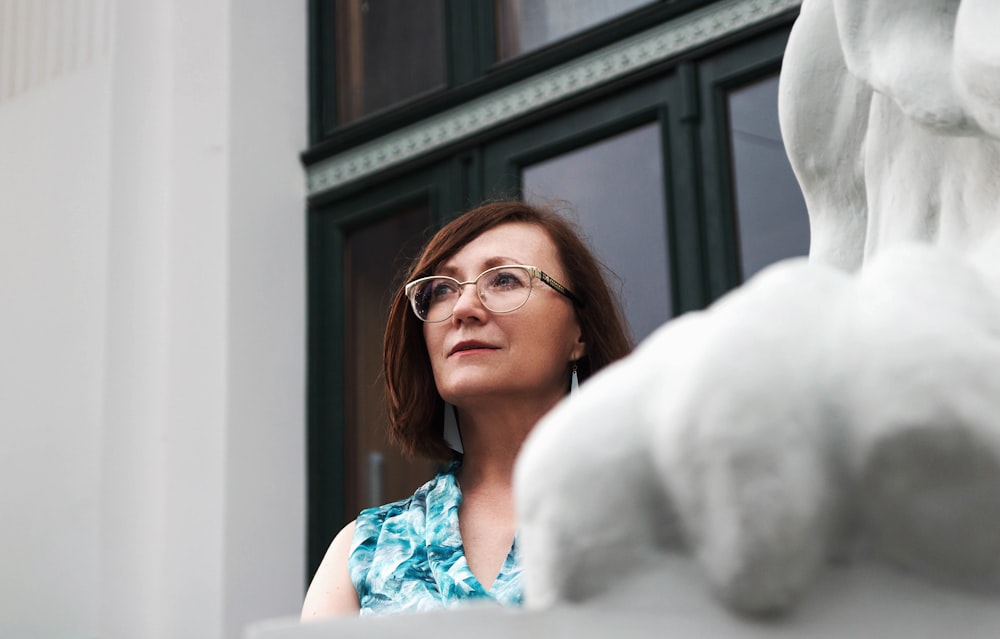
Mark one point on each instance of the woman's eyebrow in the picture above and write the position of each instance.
(499, 260)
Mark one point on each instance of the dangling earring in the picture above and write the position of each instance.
(452, 436)
(574, 381)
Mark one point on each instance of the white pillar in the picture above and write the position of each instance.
(152, 271)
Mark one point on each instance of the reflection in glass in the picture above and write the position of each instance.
(771, 215)
(615, 187)
(525, 25)
(387, 51)
(373, 257)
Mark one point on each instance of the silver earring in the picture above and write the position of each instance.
(452, 436)
(574, 381)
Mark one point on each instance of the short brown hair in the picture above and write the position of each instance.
(415, 410)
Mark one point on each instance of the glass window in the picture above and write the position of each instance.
(525, 25)
(373, 258)
(771, 214)
(387, 51)
(615, 187)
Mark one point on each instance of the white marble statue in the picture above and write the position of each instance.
(890, 112)
(841, 411)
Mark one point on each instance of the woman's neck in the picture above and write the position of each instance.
(492, 439)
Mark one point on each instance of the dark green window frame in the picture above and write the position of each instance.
(473, 69)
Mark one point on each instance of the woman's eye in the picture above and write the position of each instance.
(506, 280)
(441, 290)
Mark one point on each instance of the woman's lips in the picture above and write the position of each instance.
(471, 347)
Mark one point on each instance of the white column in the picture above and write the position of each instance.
(265, 471)
(152, 271)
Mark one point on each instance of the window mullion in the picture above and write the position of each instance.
(471, 39)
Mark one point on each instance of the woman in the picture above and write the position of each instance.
(504, 310)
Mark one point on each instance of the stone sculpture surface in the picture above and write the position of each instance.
(840, 411)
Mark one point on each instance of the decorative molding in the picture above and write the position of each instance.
(655, 45)
(41, 40)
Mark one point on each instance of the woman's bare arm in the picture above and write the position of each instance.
(331, 592)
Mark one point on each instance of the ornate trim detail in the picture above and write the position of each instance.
(659, 43)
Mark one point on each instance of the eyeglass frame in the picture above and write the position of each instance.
(533, 271)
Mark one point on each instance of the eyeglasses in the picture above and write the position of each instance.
(501, 289)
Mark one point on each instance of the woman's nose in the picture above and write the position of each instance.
(468, 304)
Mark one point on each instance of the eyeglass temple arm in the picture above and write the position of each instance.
(558, 287)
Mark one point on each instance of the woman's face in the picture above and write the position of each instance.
(525, 355)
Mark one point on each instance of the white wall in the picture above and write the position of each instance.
(54, 176)
(152, 271)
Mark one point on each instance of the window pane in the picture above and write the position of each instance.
(387, 51)
(771, 215)
(616, 189)
(524, 25)
(373, 258)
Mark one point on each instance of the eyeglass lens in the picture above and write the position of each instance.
(501, 290)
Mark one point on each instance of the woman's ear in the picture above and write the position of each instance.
(579, 349)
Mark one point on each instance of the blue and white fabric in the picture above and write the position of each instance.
(408, 556)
